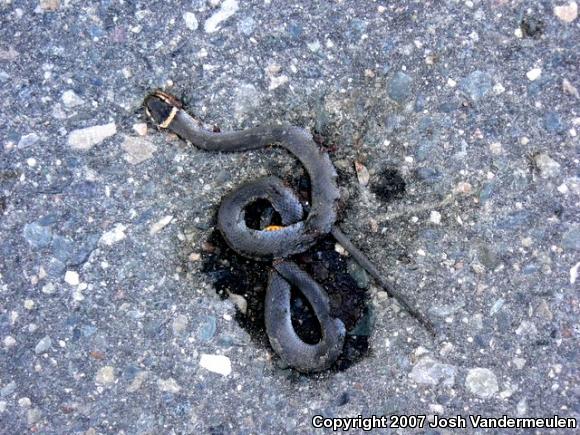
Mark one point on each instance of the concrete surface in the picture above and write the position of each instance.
(106, 321)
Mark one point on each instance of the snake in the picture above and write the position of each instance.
(276, 243)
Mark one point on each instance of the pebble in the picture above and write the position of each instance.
(190, 21)
(534, 74)
(362, 173)
(8, 389)
(105, 375)
(24, 402)
(277, 81)
(33, 416)
(179, 323)
(28, 140)
(498, 89)
(169, 385)
(160, 224)
(85, 138)
(9, 342)
(227, 9)
(568, 12)
(463, 188)
(496, 148)
(49, 5)
(339, 248)
(477, 85)
(526, 328)
(574, 273)
(137, 149)
(569, 88)
(140, 128)
(9, 55)
(481, 382)
(543, 311)
(571, 238)
(399, 88)
(357, 273)
(70, 99)
(43, 345)
(71, 278)
(435, 217)
(220, 364)
(429, 371)
(548, 167)
(138, 381)
(114, 235)
(38, 236)
(240, 302)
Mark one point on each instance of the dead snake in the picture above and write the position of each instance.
(295, 235)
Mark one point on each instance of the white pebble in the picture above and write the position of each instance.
(276, 82)
(481, 382)
(116, 234)
(31, 162)
(451, 83)
(160, 224)
(140, 128)
(562, 188)
(169, 385)
(534, 74)
(85, 138)
(338, 248)
(313, 46)
(190, 20)
(567, 13)
(24, 402)
(9, 342)
(435, 217)
(227, 9)
(498, 89)
(105, 375)
(574, 273)
(70, 99)
(71, 277)
(495, 148)
(220, 364)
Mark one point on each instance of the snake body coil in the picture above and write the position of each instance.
(296, 235)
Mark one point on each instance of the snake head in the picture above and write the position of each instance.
(162, 107)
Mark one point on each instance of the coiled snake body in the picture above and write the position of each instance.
(294, 236)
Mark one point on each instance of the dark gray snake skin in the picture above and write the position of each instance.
(295, 236)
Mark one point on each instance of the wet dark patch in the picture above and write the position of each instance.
(232, 273)
(389, 185)
(532, 27)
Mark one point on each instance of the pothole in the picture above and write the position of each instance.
(234, 274)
